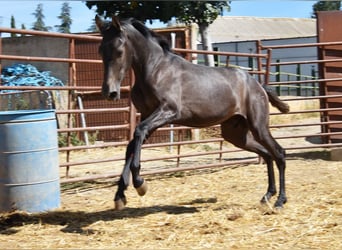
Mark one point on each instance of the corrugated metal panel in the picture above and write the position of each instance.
(229, 29)
(329, 31)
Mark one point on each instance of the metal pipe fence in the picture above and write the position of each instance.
(328, 103)
(101, 159)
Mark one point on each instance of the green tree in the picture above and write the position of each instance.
(141, 10)
(203, 13)
(13, 26)
(65, 18)
(92, 27)
(325, 6)
(39, 23)
(23, 27)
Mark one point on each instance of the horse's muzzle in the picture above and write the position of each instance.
(110, 95)
(114, 95)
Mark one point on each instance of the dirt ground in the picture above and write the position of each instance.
(217, 208)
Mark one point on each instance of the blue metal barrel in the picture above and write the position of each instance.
(29, 169)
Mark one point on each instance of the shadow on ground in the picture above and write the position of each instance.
(75, 221)
(313, 155)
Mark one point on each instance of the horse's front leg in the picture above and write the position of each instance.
(138, 182)
(120, 198)
(158, 118)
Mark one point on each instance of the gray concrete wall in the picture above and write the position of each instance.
(39, 47)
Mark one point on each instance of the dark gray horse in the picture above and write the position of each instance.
(169, 89)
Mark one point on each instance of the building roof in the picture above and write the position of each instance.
(232, 28)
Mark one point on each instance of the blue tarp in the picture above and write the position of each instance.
(27, 75)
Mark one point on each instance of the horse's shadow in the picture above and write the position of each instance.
(76, 221)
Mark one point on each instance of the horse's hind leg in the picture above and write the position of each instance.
(278, 154)
(236, 131)
(258, 124)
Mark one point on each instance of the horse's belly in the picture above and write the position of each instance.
(205, 119)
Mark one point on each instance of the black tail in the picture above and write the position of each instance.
(275, 101)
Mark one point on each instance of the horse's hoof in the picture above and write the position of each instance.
(142, 189)
(120, 204)
(280, 203)
(265, 199)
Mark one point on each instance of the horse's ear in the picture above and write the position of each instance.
(98, 22)
(116, 23)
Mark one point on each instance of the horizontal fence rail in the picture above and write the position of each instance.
(190, 148)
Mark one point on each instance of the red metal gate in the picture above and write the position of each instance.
(328, 31)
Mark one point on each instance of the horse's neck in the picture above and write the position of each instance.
(145, 57)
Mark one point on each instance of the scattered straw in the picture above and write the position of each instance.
(200, 209)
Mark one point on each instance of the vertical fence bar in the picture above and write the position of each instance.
(298, 78)
(313, 84)
(258, 48)
(251, 60)
(217, 58)
(268, 66)
(71, 82)
(221, 148)
(278, 88)
(0, 54)
(178, 154)
(227, 61)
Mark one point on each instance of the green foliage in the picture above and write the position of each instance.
(92, 137)
(141, 10)
(185, 11)
(23, 27)
(65, 18)
(325, 6)
(13, 26)
(22, 104)
(74, 140)
(92, 28)
(201, 12)
(39, 23)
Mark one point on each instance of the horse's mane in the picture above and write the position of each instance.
(146, 32)
(139, 26)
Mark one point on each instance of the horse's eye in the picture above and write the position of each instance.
(119, 53)
(118, 43)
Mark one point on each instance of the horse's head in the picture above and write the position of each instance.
(115, 56)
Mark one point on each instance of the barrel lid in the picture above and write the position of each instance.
(26, 115)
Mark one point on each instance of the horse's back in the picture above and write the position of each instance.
(212, 95)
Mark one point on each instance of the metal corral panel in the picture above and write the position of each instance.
(329, 31)
(92, 75)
